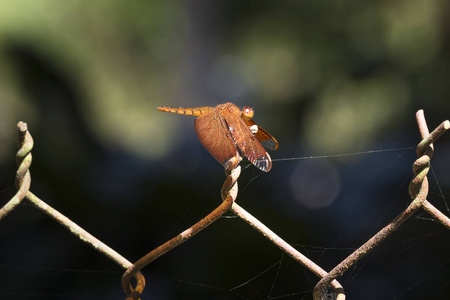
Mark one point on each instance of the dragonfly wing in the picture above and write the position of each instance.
(213, 133)
(266, 139)
(247, 143)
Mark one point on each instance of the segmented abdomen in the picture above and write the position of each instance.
(189, 111)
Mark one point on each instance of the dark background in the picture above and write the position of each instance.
(324, 77)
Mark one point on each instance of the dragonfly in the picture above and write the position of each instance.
(229, 133)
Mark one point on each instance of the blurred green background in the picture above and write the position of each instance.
(324, 77)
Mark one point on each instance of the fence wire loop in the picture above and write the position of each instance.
(23, 157)
(23, 177)
(23, 182)
(228, 193)
(418, 190)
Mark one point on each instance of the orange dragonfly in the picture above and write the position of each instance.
(229, 133)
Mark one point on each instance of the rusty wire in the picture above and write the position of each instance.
(327, 288)
(287, 248)
(23, 180)
(23, 177)
(418, 190)
(229, 193)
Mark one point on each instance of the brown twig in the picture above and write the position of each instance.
(418, 190)
(228, 193)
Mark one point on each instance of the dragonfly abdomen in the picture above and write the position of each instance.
(189, 111)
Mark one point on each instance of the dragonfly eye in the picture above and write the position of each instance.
(254, 129)
(247, 112)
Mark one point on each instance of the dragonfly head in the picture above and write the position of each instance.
(247, 112)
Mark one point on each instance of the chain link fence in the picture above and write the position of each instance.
(327, 286)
